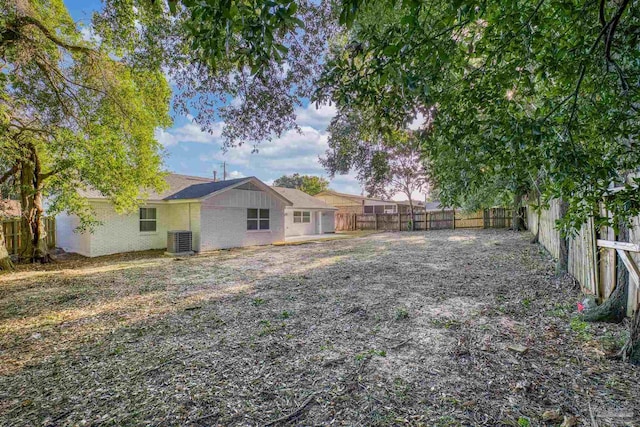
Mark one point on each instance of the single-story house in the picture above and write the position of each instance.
(307, 215)
(220, 214)
(350, 203)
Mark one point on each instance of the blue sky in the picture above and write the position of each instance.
(193, 152)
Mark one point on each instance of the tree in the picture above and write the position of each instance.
(72, 116)
(310, 184)
(385, 164)
(502, 71)
(247, 64)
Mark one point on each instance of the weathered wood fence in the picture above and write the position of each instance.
(12, 234)
(440, 220)
(593, 267)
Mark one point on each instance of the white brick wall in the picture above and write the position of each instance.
(121, 233)
(300, 228)
(305, 229)
(219, 222)
(68, 239)
(328, 221)
(224, 220)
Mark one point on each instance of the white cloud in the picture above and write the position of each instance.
(318, 118)
(189, 132)
(293, 152)
(89, 35)
(236, 174)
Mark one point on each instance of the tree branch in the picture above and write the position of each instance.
(8, 174)
(23, 21)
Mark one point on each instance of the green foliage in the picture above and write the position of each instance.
(386, 163)
(401, 313)
(308, 183)
(76, 114)
(257, 302)
(262, 55)
(370, 353)
(526, 95)
(581, 328)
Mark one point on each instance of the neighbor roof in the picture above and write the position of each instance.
(302, 200)
(361, 198)
(182, 187)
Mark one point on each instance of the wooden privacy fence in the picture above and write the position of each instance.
(440, 220)
(13, 239)
(592, 266)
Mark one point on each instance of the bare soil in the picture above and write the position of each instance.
(442, 328)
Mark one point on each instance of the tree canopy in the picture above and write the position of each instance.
(73, 116)
(525, 94)
(310, 184)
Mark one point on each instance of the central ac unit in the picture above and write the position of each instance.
(179, 242)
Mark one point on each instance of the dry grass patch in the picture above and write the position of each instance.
(389, 329)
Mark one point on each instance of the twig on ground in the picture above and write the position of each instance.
(295, 413)
(334, 361)
(403, 343)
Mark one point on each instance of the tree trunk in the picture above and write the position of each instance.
(5, 259)
(413, 222)
(633, 346)
(517, 222)
(34, 244)
(536, 237)
(614, 309)
(562, 267)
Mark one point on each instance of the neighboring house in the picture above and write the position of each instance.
(350, 203)
(220, 214)
(308, 215)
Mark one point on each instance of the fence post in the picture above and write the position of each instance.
(454, 219)
(16, 227)
(376, 216)
(399, 221)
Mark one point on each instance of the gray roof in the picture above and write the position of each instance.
(197, 190)
(180, 187)
(302, 200)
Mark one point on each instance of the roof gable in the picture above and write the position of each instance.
(203, 189)
(185, 187)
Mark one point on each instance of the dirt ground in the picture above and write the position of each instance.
(442, 328)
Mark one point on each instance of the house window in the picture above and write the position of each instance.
(257, 219)
(389, 209)
(368, 209)
(148, 219)
(301, 217)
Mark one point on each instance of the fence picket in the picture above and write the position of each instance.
(12, 234)
(440, 220)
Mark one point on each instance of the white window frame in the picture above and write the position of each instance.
(259, 219)
(302, 217)
(153, 220)
(390, 209)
